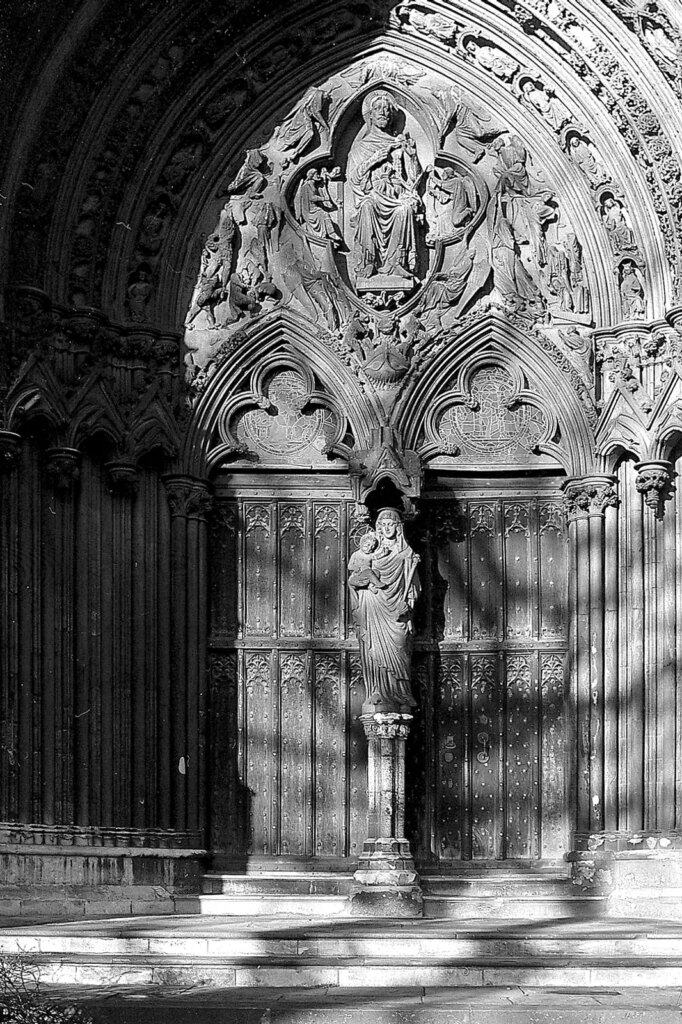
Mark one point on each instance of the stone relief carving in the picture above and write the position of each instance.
(490, 57)
(384, 215)
(584, 155)
(535, 95)
(383, 171)
(611, 82)
(384, 587)
(632, 292)
(283, 419)
(491, 418)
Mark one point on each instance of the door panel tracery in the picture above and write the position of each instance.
(485, 771)
(489, 736)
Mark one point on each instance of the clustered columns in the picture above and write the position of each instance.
(386, 882)
(592, 651)
(183, 734)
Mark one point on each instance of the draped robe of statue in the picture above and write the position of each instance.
(383, 170)
(383, 619)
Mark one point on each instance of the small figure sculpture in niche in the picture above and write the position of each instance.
(582, 156)
(631, 292)
(383, 171)
(382, 613)
(543, 100)
(620, 232)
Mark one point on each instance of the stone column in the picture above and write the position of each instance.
(592, 665)
(62, 468)
(386, 882)
(185, 703)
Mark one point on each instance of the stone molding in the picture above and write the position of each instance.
(63, 467)
(589, 496)
(653, 483)
(635, 842)
(10, 445)
(188, 497)
(86, 836)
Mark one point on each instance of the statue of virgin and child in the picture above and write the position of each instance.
(384, 586)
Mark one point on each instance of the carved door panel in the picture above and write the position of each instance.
(287, 750)
(486, 758)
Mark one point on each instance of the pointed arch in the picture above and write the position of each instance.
(279, 334)
(548, 375)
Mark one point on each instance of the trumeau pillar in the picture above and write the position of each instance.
(384, 587)
(182, 710)
(386, 882)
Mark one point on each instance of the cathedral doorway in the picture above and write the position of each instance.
(485, 761)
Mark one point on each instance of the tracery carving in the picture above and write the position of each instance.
(490, 419)
(282, 419)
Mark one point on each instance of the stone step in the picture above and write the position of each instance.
(264, 904)
(277, 884)
(466, 894)
(497, 884)
(461, 1005)
(532, 907)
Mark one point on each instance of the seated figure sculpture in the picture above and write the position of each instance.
(383, 171)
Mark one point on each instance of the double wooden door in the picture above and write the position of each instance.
(485, 772)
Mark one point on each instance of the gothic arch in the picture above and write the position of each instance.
(552, 380)
(280, 337)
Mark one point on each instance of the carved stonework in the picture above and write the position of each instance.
(187, 497)
(589, 496)
(384, 587)
(385, 460)
(10, 446)
(653, 483)
(283, 419)
(63, 467)
(490, 419)
(382, 215)
(124, 476)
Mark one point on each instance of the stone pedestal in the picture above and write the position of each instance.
(386, 882)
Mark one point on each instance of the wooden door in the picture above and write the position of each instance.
(485, 768)
(288, 752)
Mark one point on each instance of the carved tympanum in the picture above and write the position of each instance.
(382, 210)
(384, 587)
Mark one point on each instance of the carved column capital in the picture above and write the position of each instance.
(123, 476)
(188, 497)
(388, 725)
(10, 445)
(653, 483)
(63, 467)
(589, 495)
